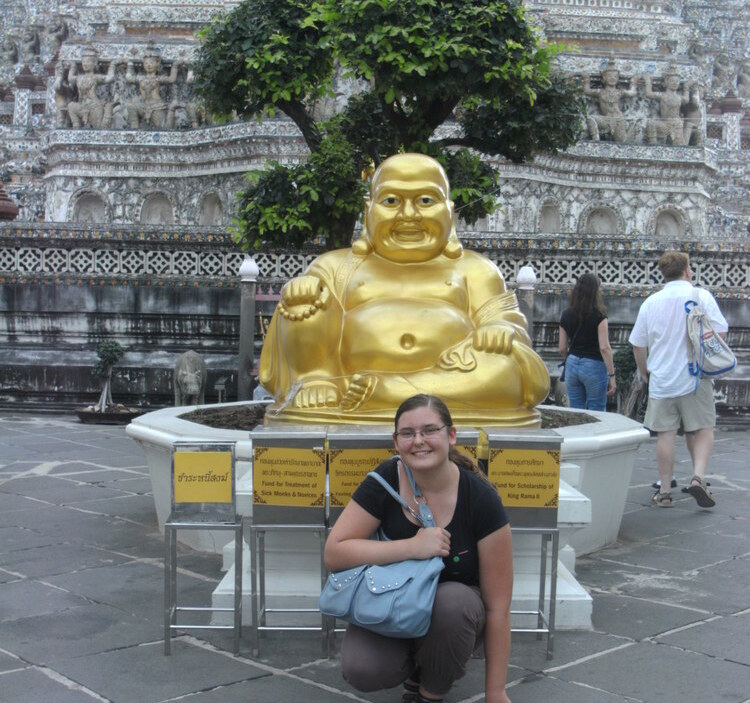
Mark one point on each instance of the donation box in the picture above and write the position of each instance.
(203, 486)
(353, 451)
(524, 466)
(289, 474)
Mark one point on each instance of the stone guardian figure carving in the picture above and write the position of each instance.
(611, 122)
(150, 109)
(64, 93)
(55, 33)
(30, 44)
(8, 53)
(669, 127)
(743, 80)
(404, 310)
(89, 110)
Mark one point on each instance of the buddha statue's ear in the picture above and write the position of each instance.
(453, 248)
(362, 246)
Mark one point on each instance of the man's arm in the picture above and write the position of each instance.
(641, 361)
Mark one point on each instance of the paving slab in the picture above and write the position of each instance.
(715, 637)
(16, 538)
(639, 618)
(82, 579)
(659, 673)
(88, 629)
(271, 689)
(548, 688)
(135, 587)
(47, 561)
(32, 685)
(56, 490)
(20, 597)
(141, 674)
(10, 662)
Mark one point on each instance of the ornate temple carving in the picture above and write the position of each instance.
(610, 123)
(669, 126)
(140, 91)
(89, 108)
(55, 34)
(29, 43)
(743, 80)
(150, 109)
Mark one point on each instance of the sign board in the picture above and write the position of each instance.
(289, 475)
(203, 481)
(353, 451)
(524, 466)
(467, 441)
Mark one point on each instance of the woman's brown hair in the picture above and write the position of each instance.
(423, 400)
(587, 297)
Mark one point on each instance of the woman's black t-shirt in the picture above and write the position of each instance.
(479, 512)
(584, 342)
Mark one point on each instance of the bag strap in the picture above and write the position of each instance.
(694, 368)
(424, 516)
(571, 341)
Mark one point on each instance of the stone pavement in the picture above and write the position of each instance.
(81, 593)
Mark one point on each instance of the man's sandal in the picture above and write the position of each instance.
(662, 500)
(700, 492)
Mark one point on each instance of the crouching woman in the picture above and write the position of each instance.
(473, 538)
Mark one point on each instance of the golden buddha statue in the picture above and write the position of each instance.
(404, 310)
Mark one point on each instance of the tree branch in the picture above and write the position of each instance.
(296, 111)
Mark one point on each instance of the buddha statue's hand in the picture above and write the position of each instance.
(494, 339)
(302, 297)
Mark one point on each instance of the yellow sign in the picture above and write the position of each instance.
(528, 478)
(470, 450)
(347, 469)
(289, 476)
(203, 477)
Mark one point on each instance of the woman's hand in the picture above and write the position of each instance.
(612, 386)
(501, 697)
(431, 542)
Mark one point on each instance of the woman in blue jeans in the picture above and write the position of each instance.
(584, 345)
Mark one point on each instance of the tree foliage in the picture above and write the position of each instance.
(445, 77)
(109, 353)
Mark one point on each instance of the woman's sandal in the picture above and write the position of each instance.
(702, 495)
(411, 692)
(662, 500)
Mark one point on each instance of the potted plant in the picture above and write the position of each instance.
(105, 410)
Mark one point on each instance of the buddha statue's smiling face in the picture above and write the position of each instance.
(409, 216)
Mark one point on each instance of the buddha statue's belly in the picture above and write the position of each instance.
(400, 335)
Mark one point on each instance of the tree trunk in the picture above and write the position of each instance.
(105, 397)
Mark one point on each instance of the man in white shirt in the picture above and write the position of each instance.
(660, 347)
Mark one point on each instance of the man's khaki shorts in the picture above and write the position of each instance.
(694, 411)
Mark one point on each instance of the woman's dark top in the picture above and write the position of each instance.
(479, 512)
(586, 342)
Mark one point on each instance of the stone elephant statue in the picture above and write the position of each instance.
(189, 379)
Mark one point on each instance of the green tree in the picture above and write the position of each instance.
(476, 68)
(109, 353)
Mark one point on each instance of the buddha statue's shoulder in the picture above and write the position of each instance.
(330, 261)
(478, 263)
(335, 267)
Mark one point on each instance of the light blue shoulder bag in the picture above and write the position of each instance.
(395, 599)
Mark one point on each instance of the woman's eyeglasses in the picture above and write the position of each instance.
(409, 434)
